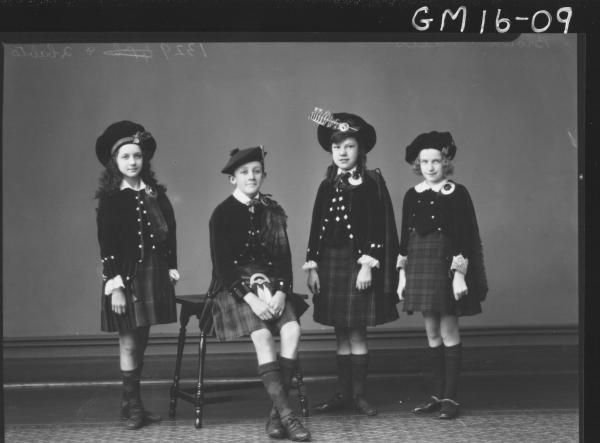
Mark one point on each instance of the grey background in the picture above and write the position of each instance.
(511, 108)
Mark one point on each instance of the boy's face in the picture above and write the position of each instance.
(248, 178)
(431, 165)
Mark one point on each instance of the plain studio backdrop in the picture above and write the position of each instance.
(511, 108)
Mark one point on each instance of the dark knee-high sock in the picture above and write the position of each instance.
(288, 368)
(270, 374)
(131, 387)
(436, 356)
(453, 355)
(344, 367)
(360, 364)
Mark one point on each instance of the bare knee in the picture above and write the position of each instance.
(290, 332)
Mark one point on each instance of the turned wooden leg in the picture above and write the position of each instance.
(184, 319)
(301, 393)
(200, 388)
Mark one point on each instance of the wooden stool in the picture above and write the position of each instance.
(201, 307)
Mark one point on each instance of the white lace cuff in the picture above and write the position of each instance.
(368, 260)
(112, 284)
(460, 264)
(311, 264)
(401, 262)
(174, 274)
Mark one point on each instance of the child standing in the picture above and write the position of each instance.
(136, 232)
(252, 278)
(441, 270)
(351, 253)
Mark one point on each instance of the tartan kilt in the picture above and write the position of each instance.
(339, 303)
(150, 297)
(428, 280)
(234, 319)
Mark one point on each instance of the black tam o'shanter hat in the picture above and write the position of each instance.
(240, 157)
(122, 133)
(442, 141)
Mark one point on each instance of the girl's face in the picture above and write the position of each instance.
(129, 160)
(248, 178)
(431, 165)
(345, 153)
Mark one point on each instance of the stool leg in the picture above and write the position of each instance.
(301, 393)
(200, 388)
(180, 344)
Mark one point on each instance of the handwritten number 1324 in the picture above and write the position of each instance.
(180, 49)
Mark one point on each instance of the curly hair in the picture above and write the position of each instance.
(447, 165)
(111, 178)
(361, 160)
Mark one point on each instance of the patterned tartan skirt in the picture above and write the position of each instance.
(339, 303)
(234, 319)
(428, 282)
(150, 298)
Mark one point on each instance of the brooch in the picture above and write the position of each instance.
(448, 188)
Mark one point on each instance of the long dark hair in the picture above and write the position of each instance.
(111, 178)
(361, 161)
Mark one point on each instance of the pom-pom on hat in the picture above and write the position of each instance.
(240, 157)
(355, 127)
(122, 133)
(442, 141)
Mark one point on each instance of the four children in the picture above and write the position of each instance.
(357, 270)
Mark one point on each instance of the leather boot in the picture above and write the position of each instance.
(270, 374)
(294, 428)
(149, 417)
(359, 385)
(342, 397)
(132, 396)
(437, 360)
(450, 407)
(288, 368)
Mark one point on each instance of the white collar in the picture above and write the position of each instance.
(424, 186)
(341, 171)
(241, 197)
(125, 185)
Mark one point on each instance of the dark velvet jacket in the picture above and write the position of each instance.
(356, 213)
(125, 232)
(454, 214)
(367, 217)
(235, 241)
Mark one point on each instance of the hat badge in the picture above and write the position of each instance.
(325, 118)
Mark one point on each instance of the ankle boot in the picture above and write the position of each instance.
(288, 368)
(270, 374)
(343, 395)
(359, 384)
(131, 390)
(450, 406)
(294, 428)
(436, 356)
(149, 417)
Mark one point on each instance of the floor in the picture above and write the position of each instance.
(496, 407)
